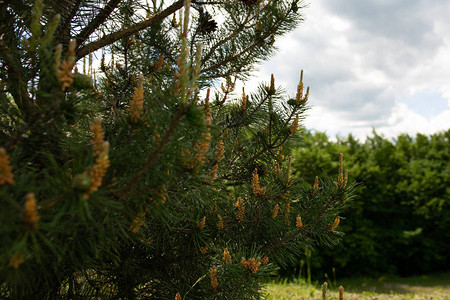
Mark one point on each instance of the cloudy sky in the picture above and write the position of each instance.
(382, 64)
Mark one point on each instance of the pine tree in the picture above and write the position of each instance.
(144, 181)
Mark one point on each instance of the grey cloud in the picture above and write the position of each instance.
(405, 20)
(358, 102)
(394, 56)
(395, 35)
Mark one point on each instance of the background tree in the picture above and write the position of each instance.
(132, 185)
(396, 224)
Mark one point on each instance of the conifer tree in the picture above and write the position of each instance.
(142, 181)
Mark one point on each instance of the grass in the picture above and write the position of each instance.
(435, 286)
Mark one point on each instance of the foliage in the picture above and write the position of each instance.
(398, 222)
(129, 185)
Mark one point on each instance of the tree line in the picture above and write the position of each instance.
(398, 222)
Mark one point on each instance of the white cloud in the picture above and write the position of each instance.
(440, 122)
(404, 120)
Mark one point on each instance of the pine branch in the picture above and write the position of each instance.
(97, 21)
(209, 2)
(255, 109)
(267, 148)
(300, 230)
(273, 145)
(7, 134)
(4, 4)
(321, 213)
(154, 155)
(232, 161)
(126, 32)
(233, 57)
(15, 72)
(249, 48)
(65, 27)
(230, 37)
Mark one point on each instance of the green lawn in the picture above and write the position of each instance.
(422, 287)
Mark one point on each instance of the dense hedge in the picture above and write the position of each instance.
(399, 222)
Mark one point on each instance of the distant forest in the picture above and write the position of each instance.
(398, 222)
